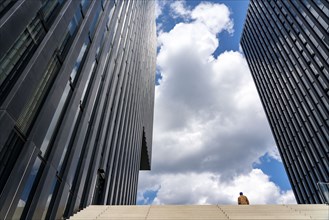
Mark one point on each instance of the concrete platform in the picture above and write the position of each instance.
(204, 212)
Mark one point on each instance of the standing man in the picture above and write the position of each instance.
(243, 200)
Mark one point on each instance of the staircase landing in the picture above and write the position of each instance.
(204, 212)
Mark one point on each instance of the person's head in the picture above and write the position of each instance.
(241, 193)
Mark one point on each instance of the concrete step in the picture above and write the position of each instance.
(204, 212)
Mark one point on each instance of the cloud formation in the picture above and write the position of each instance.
(178, 9)
(206, 188)
(215, 16)
(209, 125)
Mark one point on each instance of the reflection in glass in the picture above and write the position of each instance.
(88, 84)
(55, 120)
(95, 21)
(84, 5)
(79, 59)
(27, 189)
(49, 198)
(101, 44)
(68, 141)
(72, 29)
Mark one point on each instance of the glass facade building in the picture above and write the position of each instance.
(76, 104)
(286, 44)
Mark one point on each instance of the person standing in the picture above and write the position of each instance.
(243, 200)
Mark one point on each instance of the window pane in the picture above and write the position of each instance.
(49, 198)
(95, 21)
(84, 5)
(71, 31)
(5, 5)
(68, 142)
(55, 120)
(32, 107)
(49, 7)
(27, 189)
(79, 60)
(17, 57)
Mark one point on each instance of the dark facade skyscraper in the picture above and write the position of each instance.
(76, 97)
(286, 44)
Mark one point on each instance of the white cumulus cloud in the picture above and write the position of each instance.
(207, 188)
(179, 9)
(209, 125)
(215, 16)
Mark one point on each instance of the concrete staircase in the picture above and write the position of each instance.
(204, 212)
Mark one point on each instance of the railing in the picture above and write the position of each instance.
(324, 192)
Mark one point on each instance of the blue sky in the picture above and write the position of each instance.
(275, 170)
(211, 136)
